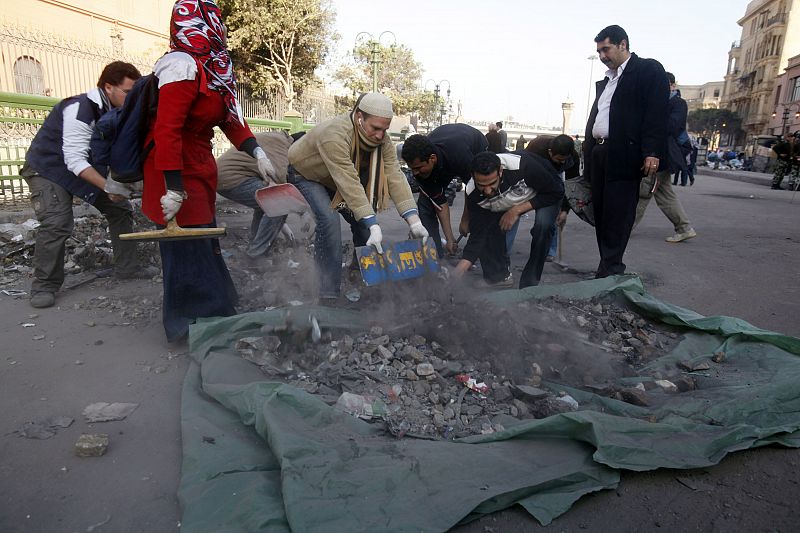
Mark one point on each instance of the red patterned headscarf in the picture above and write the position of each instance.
(196, 28)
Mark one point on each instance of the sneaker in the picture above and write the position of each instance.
(147, 272)
(678, 237)
(506, 283)
(777, 188)
(43, 299)
(549, 259)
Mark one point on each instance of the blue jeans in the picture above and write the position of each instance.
(328, 238)
(430, 220)
(543, 226)
(263, 229)
(553, 242)
(511, 234)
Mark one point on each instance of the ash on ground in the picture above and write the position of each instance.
(464, 368)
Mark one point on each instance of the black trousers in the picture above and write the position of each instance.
(430, 220)
(614, 201)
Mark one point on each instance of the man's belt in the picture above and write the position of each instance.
(600, 140)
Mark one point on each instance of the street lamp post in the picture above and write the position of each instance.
(785, 116)
(591, 59)
(374, 52)
(436, 93)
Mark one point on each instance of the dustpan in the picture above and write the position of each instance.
(282, 199)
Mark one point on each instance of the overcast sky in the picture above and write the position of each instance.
(524, 58)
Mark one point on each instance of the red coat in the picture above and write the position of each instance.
(183, 129)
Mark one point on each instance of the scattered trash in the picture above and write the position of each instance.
(91, 445)
(209, 440)
(28, 325)
(667, 385)
(569, 400)
(718, 357)
(37, 337)
(44, 428)
(108, 412)
(292, 264)
(361, 406)
(16, 293)
(472, 384)
(99, 524)
(353, 295)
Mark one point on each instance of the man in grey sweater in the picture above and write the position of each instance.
(238, 179)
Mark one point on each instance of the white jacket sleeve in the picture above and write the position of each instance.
(75, 140)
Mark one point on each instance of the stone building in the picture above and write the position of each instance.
(706, 96)
(58, 48)
(770, 36)
(785, 117)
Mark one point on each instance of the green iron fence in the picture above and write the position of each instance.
(22, 114)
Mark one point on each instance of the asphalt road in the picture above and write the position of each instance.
(745, 262)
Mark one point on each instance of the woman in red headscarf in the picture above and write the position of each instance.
(197, 91)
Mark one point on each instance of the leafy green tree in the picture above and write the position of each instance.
(399, 77)
(279, 42)
(706, 122)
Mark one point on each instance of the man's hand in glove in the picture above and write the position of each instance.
(265, 168)
(416, 228)
(171, 203)
(375, 238)
(116, 189)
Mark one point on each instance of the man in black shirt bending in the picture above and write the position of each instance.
(434, 160)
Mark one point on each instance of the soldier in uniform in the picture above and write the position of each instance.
(788, 161)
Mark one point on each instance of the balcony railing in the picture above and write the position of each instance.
(780, 18)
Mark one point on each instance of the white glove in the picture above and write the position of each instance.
(171, 203)
(416, 228)
(265, 167)
(115, 187)
(375, 237)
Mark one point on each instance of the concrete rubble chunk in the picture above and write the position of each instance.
(667, 385)
(91, 445)
(526, 393)
(108, 412)
(425, 369)
(635, 396)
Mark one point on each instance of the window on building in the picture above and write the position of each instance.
(778, 94)
(28, 76)
(795, 89)
(716, 93)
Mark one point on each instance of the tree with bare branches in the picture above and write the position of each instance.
(279, 42)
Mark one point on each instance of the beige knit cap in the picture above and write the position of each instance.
(376, 104)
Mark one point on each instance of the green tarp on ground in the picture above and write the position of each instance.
(265, 456)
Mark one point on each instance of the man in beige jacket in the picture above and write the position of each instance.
(349, 165)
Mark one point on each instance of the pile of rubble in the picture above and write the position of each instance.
(87, 249)
(487, 368)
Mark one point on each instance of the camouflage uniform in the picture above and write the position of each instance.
(788, 163)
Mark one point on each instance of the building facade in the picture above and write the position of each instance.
(58, 48)
(770, 36)
(706, 96)
(785, 117)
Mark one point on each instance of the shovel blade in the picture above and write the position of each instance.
(280, 200)
(403, 260)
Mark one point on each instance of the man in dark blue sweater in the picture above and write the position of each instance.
(434, 160)
(58, 166)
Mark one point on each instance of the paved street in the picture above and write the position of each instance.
(745, 262)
